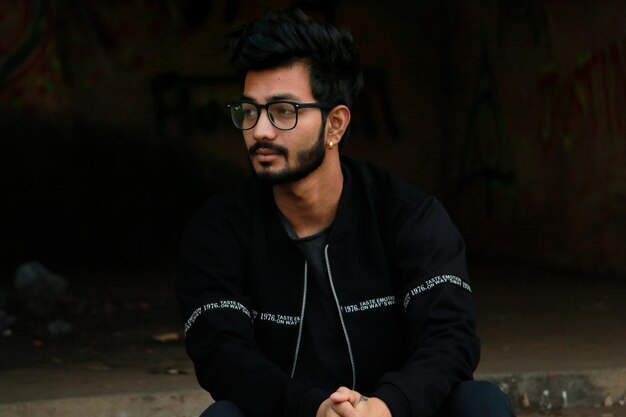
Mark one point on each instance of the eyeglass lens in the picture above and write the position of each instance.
(282, 115)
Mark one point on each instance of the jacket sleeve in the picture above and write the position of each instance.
(443, 346)
(219, 330)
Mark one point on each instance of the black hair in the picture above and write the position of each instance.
(282, 38)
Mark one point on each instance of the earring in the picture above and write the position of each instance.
(331, 144)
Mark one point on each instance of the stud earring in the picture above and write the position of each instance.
(331, 144)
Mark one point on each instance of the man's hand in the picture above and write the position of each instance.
(372, 407)
(339, 404)
(348, 403)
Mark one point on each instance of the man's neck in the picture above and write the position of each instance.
(310, 204)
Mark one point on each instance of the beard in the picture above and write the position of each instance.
(308, 160)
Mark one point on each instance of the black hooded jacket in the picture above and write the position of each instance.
(396, 266)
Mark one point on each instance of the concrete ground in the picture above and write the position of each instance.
(549, 339)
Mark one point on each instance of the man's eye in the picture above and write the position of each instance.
(284, 110)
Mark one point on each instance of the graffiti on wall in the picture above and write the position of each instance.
(589, 101)
(53, 51)
(487, 160)
(29, 69)
(486, 157)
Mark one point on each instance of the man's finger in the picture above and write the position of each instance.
(339, 397)
(343, 394)
(344, 409)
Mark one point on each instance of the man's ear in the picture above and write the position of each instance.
(337, 122)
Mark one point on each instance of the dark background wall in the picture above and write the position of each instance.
(113, 129)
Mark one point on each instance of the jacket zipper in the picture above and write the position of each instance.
(343, 324)
(295, 358)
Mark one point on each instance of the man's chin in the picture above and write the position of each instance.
(281, 177)
(274, 178)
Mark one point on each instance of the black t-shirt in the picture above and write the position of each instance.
(323, 357)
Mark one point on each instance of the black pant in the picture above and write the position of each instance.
(468, 399)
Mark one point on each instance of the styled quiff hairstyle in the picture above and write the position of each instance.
(280, 39)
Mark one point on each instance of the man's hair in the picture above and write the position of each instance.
(280, 39)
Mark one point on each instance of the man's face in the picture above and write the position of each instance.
(284, 156)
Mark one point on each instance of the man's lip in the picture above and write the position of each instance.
(266, 155)
(266, 151)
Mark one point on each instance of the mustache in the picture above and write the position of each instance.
(272, 146)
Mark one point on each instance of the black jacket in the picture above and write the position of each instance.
(397, 268)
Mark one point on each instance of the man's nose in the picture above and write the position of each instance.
(264, 129)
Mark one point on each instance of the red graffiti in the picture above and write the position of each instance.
(588, 102)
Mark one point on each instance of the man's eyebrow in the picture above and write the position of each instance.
(286, 96)
(276, 97)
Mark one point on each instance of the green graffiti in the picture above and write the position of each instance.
(486, 157)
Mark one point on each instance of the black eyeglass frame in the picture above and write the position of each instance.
(295, 104)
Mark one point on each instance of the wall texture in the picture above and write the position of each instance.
(511, 111)
(540, 107)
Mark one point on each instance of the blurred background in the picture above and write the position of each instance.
(113, 127)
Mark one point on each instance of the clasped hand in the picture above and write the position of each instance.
(349, 403)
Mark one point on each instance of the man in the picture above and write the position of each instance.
(323, 286)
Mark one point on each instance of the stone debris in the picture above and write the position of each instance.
(6, 323)
(38, 290)
(545, 404)
(169, 371)
(166, 337)
(59, 328)
(608, 401)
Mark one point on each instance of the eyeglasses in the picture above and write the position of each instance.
(282, 114)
